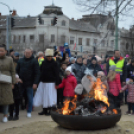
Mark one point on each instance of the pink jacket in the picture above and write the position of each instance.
(130, 96)
(115, 85)
(69, 85)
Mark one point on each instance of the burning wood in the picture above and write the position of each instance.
(95, 104)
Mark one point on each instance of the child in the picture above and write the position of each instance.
(114, 87)
(130, 96)
(17, 95)
(103, 78)
(68, 83)
(101, 88)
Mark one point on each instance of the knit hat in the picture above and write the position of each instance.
(113, 67)
(101, 73)
(49, 52)
(127, 56)
(93, 58)
(71, 59)
(16, 54)
(79, 56)
(11, 50)
(69, 69)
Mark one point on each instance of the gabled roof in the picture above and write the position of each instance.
(82, 26)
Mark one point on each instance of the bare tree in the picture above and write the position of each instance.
(125, 7)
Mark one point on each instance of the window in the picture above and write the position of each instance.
(52, 38)
(88, 42)
(31, 38)
(41, 38)
(42, 22)
(19, 40)
(63, 23)
(71, 40)
(95, 42)
(52, 21)
(63, 39)
(24, 38)
(127, 45)
(103, 43)
(112, 43)
(14, 39)
(132, 46)
(80, 41)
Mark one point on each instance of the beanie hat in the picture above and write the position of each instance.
(127, 56)
(71, 59)
(79, 56)
(16, 54)
(49, 52)
(93, 58)
(101, 73)
(113, 67)
(69, 69)
(11, 50)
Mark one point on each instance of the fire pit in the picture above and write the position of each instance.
(78, 122)
(87, 112)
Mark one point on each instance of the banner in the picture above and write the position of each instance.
(74, 46)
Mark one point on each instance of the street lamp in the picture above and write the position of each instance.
(8, 25)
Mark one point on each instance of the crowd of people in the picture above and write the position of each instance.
(52, 76)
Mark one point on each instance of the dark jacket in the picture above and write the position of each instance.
(28, 70)
(17, 92)
(60, 60)
(78, 70)
(95, 68)
(49, 72)
(124, 74)
(130, 71)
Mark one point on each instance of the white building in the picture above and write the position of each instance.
(91, 31)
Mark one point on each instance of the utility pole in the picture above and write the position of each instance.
(116, 26)
(116, 23)
(8, 26)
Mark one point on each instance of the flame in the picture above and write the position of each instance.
(103, 109)
(115, 111)
(66, 110)
(99, 91)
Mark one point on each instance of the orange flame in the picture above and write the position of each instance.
(103, 109)
(99, 91)
(66, 110)
(115, 111)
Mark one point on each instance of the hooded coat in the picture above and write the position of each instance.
(7, 68)
(69, 85)
(78, 70)
(96, 68)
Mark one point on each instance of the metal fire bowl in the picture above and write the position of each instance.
(78, 122)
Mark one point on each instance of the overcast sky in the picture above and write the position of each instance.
(35, 7)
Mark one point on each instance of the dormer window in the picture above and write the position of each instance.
(63, 23)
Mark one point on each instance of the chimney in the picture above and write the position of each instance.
(72, 18)
(14, 13)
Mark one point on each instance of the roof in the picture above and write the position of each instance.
(19, 22)
(82, 26)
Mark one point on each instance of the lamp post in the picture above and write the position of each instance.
(8, 26)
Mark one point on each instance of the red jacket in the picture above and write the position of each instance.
(69, 85)
(115, 85)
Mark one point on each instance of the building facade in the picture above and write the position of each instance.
(90, 33)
